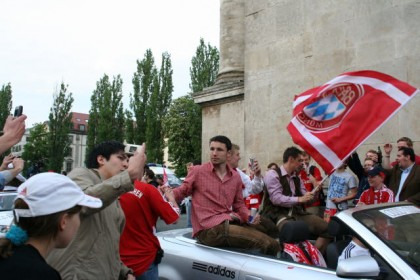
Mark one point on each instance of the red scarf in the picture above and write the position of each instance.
(315, 256)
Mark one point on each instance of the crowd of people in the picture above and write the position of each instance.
(99, 222)
(290, 192)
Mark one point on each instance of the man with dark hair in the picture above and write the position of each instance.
(405, 177)
(222, 139)
(285, 197)
(139, 246)
(94, 253)
(149, 177)
(219, 215)
(402, 142)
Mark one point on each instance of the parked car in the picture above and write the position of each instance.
(390, 231)
(173, 181)
(6, 210)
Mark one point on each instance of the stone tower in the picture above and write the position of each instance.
(273, 50)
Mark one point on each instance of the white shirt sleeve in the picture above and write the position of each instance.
(247, 183)
(353, 250)
(257, 185)
(250, 187)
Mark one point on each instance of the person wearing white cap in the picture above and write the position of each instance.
(95, 252)
(46, 216)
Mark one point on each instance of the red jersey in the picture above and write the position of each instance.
(372, 196)
(304, 176)
(142, 207)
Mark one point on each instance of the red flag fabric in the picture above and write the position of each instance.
(331, 121)
(165, 178)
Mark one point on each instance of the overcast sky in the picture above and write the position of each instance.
(45, 42)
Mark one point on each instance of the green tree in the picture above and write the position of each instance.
(35, 151)
(59, 128)
(153, 125)
(143, 88)
(5, 103)
(183, 124)
(183, 127)
(160, 100)
(129, 127)
(204, 67)
(106, 115)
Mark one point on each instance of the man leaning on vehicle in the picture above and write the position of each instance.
(219, 215)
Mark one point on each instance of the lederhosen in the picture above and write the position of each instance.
(278, 213)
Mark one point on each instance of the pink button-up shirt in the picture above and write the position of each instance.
(213, 199)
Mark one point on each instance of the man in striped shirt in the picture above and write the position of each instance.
(219, 215)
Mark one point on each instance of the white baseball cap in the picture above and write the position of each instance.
(49, 193)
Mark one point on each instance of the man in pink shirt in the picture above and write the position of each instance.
(219, 215)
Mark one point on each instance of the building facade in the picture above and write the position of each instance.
(77, 139)
(271, 51)
(78, 142)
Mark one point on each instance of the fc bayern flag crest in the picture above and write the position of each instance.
(331, 121)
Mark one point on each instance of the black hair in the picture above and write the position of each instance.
(408, 152)
(196, 162)
(222, 139)
(105, 149)
(291, 152)
(150, 174)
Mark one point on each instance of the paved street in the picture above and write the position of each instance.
(182, 223)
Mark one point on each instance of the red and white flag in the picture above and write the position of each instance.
(165, 178)
(331, 121)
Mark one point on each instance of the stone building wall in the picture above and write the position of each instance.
(294, 45)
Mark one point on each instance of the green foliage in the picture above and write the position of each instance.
(36, 148)
(143, 87)
(204, 67)
(153, 126)
(106, 115)
(5, 103)
(183, 127)
(150, 102)
(160, 99)
(183, 123)
(59, 128)
(129, 127)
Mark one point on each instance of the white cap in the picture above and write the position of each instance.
(49, 193)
